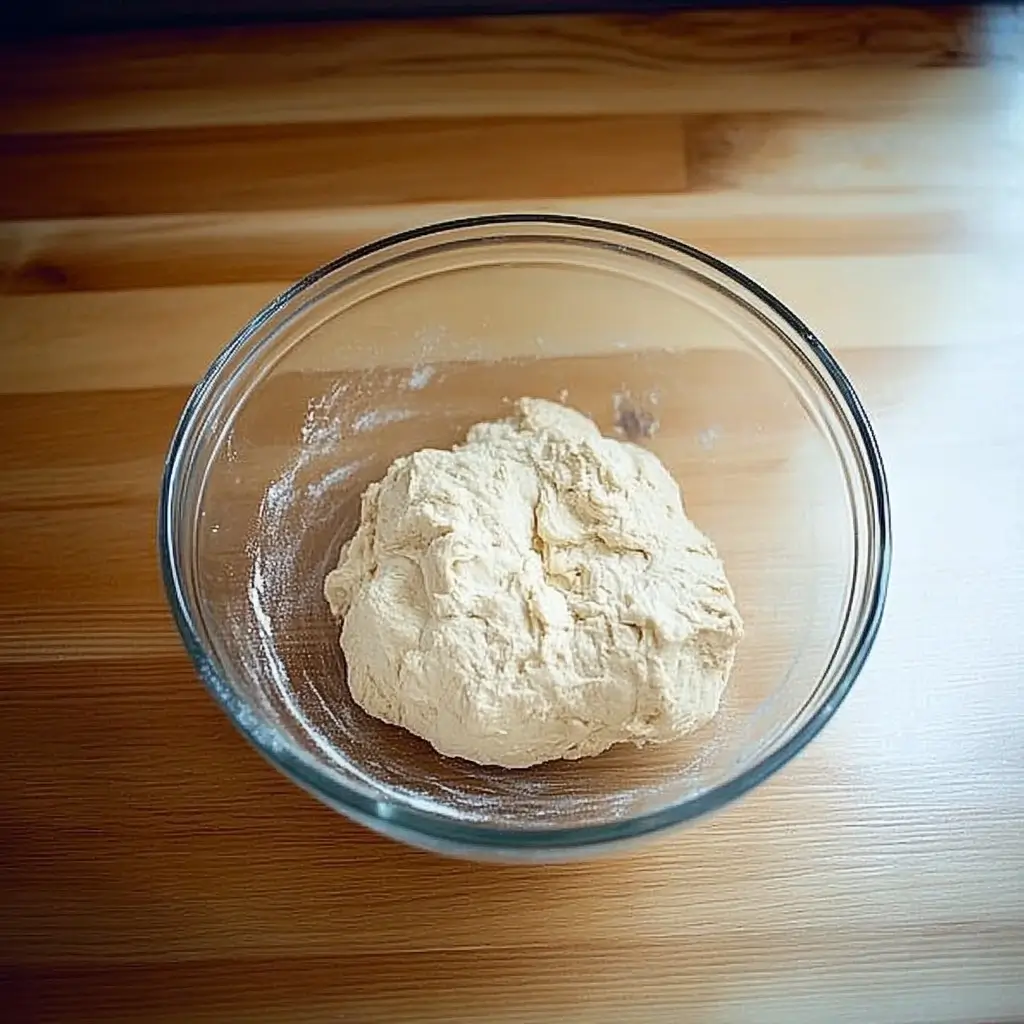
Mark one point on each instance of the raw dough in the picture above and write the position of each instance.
(536, 593)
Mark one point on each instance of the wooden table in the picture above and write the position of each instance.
(867, 165)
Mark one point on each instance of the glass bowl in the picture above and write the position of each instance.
(405, 344)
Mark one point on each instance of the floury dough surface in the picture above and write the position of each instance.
(536, 593)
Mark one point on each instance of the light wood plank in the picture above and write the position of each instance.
(118, 253)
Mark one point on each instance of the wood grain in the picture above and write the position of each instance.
(156, 190)
(190, 170)
(124, 253)
(496, 67)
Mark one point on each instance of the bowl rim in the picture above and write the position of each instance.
(436, 831)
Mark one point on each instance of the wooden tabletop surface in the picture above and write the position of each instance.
(867, 165)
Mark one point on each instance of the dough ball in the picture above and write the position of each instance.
(536, 593)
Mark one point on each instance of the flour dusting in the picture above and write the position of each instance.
(375, 418)
(318, 488)
(420, 378)
(708, 437)
(283, 518)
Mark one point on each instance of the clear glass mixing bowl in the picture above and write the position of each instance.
(405, 344)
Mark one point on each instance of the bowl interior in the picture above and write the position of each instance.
(410, 352)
